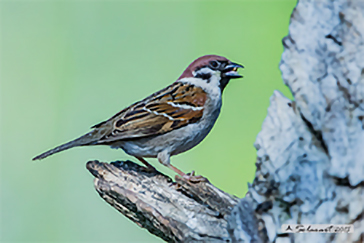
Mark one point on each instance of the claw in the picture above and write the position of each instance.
(191, 177)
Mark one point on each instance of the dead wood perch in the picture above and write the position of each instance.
(178, 211)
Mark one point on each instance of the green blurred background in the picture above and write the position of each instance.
(68, 65)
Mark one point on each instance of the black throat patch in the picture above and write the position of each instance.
(223, 82)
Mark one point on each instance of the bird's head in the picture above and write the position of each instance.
(211, 67)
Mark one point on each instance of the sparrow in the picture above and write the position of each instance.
(168, 122)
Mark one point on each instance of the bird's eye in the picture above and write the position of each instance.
(214, 64)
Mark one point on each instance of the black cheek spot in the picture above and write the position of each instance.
(204, 76)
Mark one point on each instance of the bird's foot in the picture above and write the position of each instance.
(191, 177)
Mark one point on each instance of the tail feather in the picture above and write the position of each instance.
(86, 139)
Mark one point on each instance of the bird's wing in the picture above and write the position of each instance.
(171, 108)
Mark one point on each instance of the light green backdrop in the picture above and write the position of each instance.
(67, 65)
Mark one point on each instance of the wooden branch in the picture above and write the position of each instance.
(178, 211)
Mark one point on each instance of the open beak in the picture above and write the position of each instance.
(231, 70)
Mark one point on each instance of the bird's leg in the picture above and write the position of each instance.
(178, 171)
(149, 166)
(164, 158)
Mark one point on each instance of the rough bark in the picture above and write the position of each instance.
(310, 151)
(310, 164)
(178, 211)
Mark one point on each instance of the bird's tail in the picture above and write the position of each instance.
(86, 139)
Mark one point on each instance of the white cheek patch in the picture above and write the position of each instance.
(215, 75)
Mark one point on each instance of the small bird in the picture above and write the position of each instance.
(168, 122)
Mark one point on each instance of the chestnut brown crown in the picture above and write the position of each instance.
(201, 62)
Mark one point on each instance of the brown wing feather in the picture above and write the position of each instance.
(162, 112)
